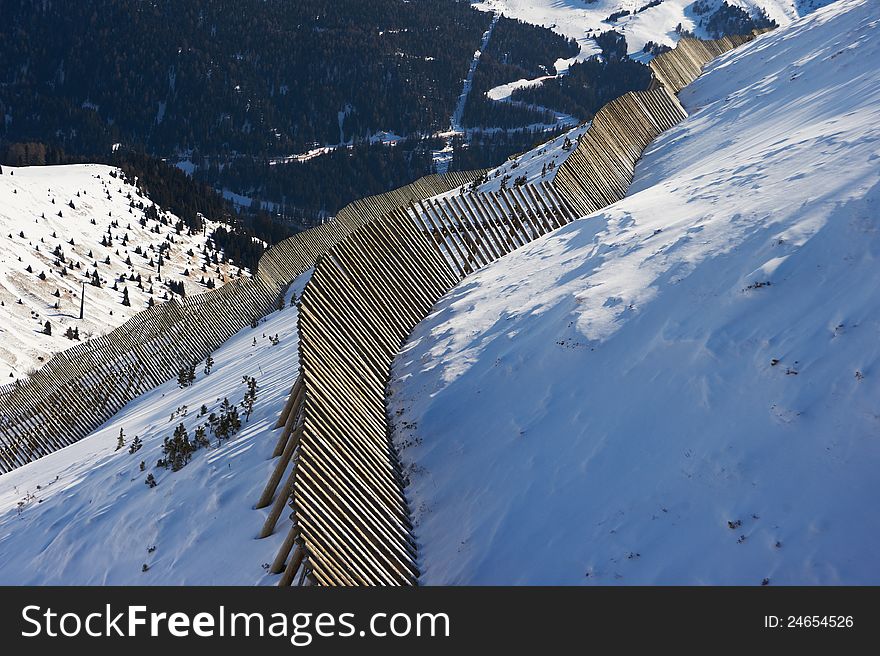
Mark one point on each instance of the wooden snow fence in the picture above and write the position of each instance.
(677, 68)
(473, 229)
(601, 168)
(340, 473)
(80, 388)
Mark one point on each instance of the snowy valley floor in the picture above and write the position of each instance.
(685, 387)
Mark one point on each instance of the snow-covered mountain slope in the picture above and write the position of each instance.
(685, 387)
(580, 19)
(84, 515)
(85, 203)
(537, 165)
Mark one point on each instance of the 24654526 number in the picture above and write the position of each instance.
(809, 621)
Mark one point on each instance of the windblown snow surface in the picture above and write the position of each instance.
(84, 515)
(683, 388)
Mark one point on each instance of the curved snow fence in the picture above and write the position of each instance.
(679, 67)
(367, 293)
(600, 169)
(82, 387)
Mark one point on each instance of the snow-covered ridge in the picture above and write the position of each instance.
(110, 225)
(581, 20)
(681, 388)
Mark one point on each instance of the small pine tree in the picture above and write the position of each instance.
(125, 299)
(151, 481)
(186, 376)
(227, 423)
(209, 364)
(120, 442)
(136, 445)
(143, 465)
(47, 329)
(177, 449)
(250, 397)
(200, 439)
(234, 421)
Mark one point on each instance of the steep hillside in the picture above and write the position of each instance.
(62, 225)
(682, 388)
(85, 515)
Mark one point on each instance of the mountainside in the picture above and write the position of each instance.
(682, 388)
(62, 225)
(86, 515)
(251, 76)
(640, 21)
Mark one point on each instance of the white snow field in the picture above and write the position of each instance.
(84, 515)
(683, 388)
(580, 19)
(30, 201)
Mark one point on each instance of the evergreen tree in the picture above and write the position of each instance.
(136, 445)
(47, 328)
(250, 397)
(125, 299)
(178, 449)
(227, 423)
(186, 376)
(200, 439)
(120, 442)
(234, 421)
(209, 364)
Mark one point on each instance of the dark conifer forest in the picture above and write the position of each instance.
(588, 85)
(223, 77)
(516, 51)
